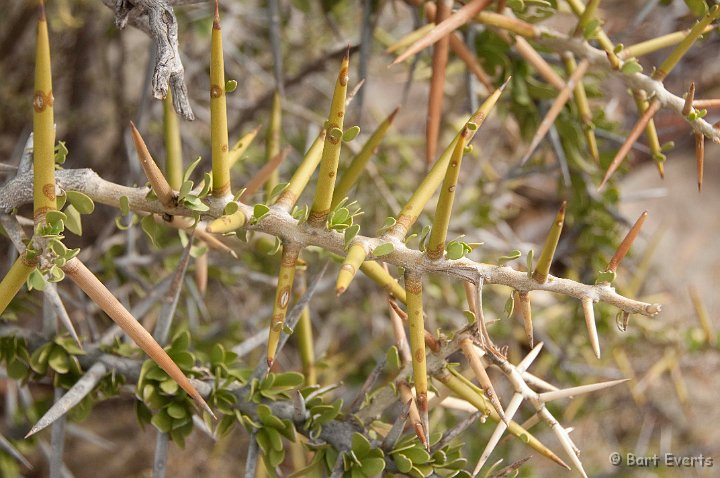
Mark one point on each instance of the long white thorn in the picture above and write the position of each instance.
(529, 358)
(510, 410)
(575, 391)
(570, 449)
(589, 311)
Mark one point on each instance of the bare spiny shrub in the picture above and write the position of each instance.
(243, 235)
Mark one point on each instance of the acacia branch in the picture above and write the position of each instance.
(598, 59)
(281, 224)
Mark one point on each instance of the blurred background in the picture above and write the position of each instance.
(101, 82)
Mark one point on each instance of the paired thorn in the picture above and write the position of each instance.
(626, 243)
(449, 25)
(630, 140)
(542, 269)
(700, 158)
(481, 374)
(159, 184)
(575, 391)
(589, 312)
(555, 109)
(529, 358)
(522, 298)
(689, 98)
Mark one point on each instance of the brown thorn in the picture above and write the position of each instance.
(626, 243)
(216, 18)
(700, 158)
(261, 176)
(398, 310)
(689, 98)
(632, 137)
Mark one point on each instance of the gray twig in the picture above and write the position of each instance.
(167, 313)
(369, 383)
(252, 457)
(396, 431)
(450, 434)
(12, 451)
(57, 442)
(161, 454)
(157, 19)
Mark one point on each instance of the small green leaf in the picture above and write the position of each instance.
(61, 152)
(151, 228)
(162, 422)
(82, 202)
(169, 386)
(667, 146)
(230, 208)
(276, 247)
(631, 66)
(191, 168)
(606, 276)
(58, 360)
(124, 205)
(335, 133)
(277, 190)
(591, 29)
(470, 316)
(56, 274)
(301, 213)
(55, 217)
(259, 211)
(36, 280)
(73, 222)
(529, 263)
(185, 189)
(383, 249)
(455, 250)
(177, 411)
(403, 463)
(230, 86)
(697, 7)
(417, 455)
(360, 445)
(351, 133)
(207, 183)
(509, 305)
(195, 204)
(514, 254)
(350, 234)
(372, 466)
(392, 358)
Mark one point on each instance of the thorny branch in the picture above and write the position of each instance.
(598, 59)
(281, 224)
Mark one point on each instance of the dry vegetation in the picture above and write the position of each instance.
(490, 275)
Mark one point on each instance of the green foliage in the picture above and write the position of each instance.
(362, 460)
(161, 401)
(383, 249)
(61, 153)
(413, 460)
(59, 358)
(15, 357)
(343, 215)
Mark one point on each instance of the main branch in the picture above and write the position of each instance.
(281, 224)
